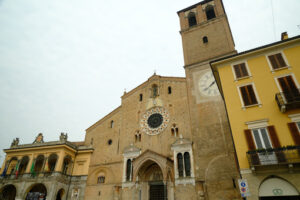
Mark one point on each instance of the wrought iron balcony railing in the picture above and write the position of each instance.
(288, 100)
(277, 156)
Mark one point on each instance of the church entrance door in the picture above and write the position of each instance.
(157, 191)
(152, 184)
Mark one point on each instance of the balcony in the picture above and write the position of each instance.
(288, 100)
(277, 158)
(41, 176)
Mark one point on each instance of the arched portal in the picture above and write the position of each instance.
(277, 189)
(8, 192)
(151, 181)
(60, 194)
(37, 191)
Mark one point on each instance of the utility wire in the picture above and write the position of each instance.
(274, 28)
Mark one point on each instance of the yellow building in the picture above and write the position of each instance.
(55, 170)
(260, 88)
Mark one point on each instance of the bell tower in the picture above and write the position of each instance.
(206, 36)
(205, 32)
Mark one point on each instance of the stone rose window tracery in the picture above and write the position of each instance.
(154, 121)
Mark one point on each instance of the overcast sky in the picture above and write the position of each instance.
(64, 64)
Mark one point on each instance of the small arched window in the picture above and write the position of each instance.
(101, 179)
(180, 164)
(210, 12)
(205, 39)
(141, 97)
(111, 123)
(128, 170)
(187, 164)
(192, 19)
(169, 90)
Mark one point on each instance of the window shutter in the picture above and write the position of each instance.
(245, 96)
(280, 60)
(237, 71)
(249, 139)
(252, 94)
(244, 69)
(274, 137)
(273, 61)
(294, 132)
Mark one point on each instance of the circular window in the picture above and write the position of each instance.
(109, 142)
(154, 121)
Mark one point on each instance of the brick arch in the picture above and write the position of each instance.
(165, 164)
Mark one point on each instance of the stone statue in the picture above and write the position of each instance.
(63, 137)
(15, 142)
(39, 138)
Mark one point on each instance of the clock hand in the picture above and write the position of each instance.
(210, 85)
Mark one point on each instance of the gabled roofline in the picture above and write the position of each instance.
(256, 49)
(153, 77)
(103, 119)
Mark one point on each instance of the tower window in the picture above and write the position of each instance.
(210, 13)
(111, 123)
(141, 97)
(109, 142)
(205, 39)
(192, 19)
(169, 90)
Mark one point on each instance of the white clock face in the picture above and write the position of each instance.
(207, 85)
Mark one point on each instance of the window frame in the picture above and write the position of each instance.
(284, 58)
(101, 177)
(247, 68)
(255, 92)
(209, 7)
(284, 75)
(261, 137)
(193, 15)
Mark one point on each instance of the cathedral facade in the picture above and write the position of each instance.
(170, 137)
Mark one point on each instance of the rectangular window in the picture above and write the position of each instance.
(248, 95)
(240, 70)
(261, 138)
(277, 61)
(262, 141)
(289, 89)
